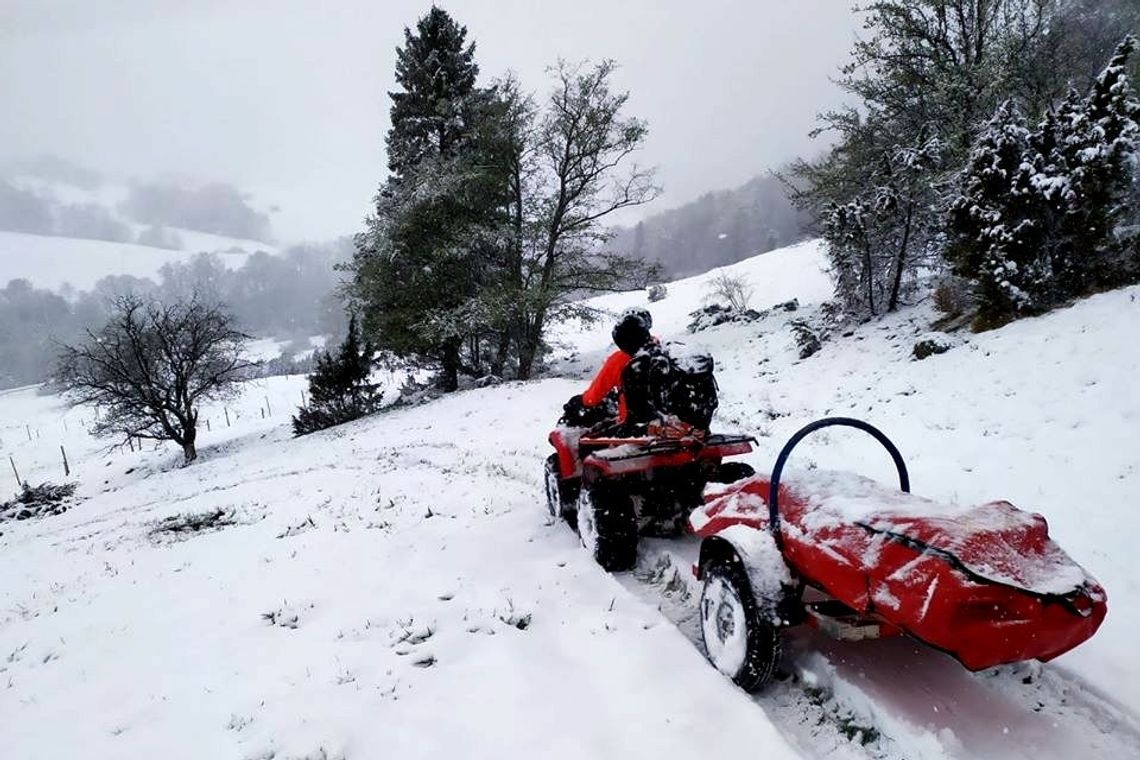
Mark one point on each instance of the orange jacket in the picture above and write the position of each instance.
(608, 378)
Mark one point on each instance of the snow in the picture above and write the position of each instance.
(50, 262)
(438, 611)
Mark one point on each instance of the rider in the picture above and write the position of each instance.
(631, 334)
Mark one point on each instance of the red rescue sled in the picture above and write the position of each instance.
(985, 584)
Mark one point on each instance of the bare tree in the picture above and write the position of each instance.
(152, 365)
(732, 288)
(579, 172)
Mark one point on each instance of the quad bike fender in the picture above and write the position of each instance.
(565, 443)
(768, 574)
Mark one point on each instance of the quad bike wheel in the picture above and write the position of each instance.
(739, 642)
(561, 496)
(607, 524)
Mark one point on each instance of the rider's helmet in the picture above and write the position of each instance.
(631, 333)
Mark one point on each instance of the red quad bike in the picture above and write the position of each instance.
(984, 584)
(616, 489)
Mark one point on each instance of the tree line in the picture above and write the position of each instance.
(291, 296)
(992, 141)
(717, 229)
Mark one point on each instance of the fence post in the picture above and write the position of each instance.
(66, 467)
(268, 408)
(16, 472)
(227, 411)
(207, 424)
(29, 429)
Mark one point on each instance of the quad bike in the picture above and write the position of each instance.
(614, 489)
(857, 560)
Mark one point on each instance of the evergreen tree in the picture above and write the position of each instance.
(340, 388)
(1100, 147)
(1046, 215)
(423, 257)
(996, 223)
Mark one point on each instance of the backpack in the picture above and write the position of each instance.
(691, 393)
(656, 384)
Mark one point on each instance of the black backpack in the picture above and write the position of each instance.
(656, 384)
(691, 393)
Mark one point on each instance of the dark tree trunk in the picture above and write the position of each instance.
(499, 363)
(529, 344)
(900, 261)
(449, 375)
(189, 450)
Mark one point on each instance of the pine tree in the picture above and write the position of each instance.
(1100, 146)
(436, 71)
(1045, 216)
(995, 224)
(422, 259)
(340, 389)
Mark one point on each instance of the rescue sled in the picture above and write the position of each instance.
(985, 584)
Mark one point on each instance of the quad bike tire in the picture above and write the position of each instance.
(561, 495)
(739, 641)
(607, 525)
(730, 472)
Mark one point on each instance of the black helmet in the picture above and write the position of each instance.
(631, 333)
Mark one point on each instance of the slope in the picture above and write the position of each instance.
(392, 588)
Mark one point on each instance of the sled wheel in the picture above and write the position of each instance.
(739, 642)
(561, 495)
(730, 472)
(607, 525)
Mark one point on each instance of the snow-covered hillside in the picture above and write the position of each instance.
(394, 588)
(50, 261)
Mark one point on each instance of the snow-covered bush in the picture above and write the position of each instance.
(807, 340)
(657, 293)
(716, 314)
(340, 389)
(734, 290)
(38, 501)
(1040, 213)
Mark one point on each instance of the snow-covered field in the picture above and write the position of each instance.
(393, 588)
(50, 262)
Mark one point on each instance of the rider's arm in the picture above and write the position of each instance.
(608, 378)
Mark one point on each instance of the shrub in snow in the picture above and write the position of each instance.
(196, 522)
(340, 389)
(38, 501)
(734, 290)
(928, 347)
(807, 340)
(1042, 215)
(657, 293)
(717, 314)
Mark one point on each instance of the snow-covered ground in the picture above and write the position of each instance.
(393, 588)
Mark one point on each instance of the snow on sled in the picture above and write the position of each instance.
(986, 583)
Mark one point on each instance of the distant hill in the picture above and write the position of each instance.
(718, 228)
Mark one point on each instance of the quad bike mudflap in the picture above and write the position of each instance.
(857, 560)
(613, 490)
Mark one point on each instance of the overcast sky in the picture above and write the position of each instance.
(287, 98)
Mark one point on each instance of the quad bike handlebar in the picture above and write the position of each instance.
(804, 432)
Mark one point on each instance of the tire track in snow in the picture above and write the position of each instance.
(908, 700)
